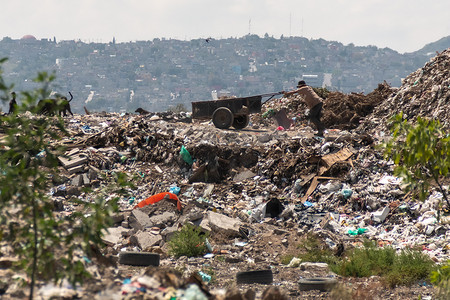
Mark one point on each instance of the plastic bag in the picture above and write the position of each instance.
(186, 155)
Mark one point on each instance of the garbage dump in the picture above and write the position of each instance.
(255, 192)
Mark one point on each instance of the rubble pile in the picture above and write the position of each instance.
(425, 93)
(346, 111)
(257, 192)
(340, 111)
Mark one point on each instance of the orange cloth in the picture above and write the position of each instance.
(158, 197)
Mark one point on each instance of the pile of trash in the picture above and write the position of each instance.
(257, 192)
(425, 93)
(340, 111)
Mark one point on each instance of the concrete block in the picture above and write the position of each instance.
(163, 220)
(77, 181)
(139, 220)
(223, 224)
(113, 235)
(77, 169)
(72, 161)
(313, 266)
(168, 232)
(118, 217)
(146, 240)
(86, 180)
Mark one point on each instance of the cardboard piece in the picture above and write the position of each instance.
(330, 159)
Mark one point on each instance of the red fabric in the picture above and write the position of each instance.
(158, 197)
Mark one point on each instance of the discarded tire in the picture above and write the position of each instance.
(139, 259)
(320, 283)
(260, 276)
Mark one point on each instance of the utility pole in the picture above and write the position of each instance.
(290, 25)
(302, 26)
(249, 25)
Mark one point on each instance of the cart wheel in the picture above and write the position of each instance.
(222, 118)
(241, 121)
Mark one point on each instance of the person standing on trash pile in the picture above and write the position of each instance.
(313, 101)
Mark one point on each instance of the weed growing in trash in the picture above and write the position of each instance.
(220, 258)
(49, 247)
(313, 250)
(189, 241)
(421, 153)
(286, 259)
(441, 279)
(396, 268)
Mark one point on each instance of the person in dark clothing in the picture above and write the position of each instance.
(12, 104)
(314, 103)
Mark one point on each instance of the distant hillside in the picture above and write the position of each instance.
(160, 74)
(439, 45)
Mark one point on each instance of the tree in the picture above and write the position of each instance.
(421, 153)
(48, 246)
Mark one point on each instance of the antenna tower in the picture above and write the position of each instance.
(290, 24)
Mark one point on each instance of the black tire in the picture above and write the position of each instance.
(320, 283)
(241, 121)
(222, 118)
(139, 258)
(260, 276)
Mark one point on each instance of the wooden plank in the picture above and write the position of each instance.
(311, 189)
(313, 186)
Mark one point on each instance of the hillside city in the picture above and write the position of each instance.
(163, 73)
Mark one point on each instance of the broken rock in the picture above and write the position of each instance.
(113, 235)
(146, 240)
(139, 220)
(223, 224)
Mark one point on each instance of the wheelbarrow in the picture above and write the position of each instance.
(229, 112)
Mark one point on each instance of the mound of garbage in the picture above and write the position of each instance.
(257, 192)
(425, 93)
(340, 111)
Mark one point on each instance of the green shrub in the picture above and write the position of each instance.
(189, 241)
(48, 247)
(286, 259)
(441, 279)
(409, 267)
(366, 261)
(395, 268)
(403, 268)
(421, 153)
(314, 250)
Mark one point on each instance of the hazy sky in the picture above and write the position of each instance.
(402, 25)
